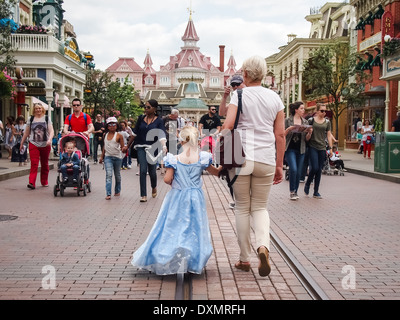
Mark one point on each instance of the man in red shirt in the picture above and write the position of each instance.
(78, 122)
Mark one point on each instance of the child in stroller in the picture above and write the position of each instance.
(70, 159)
(336, 161)
(80, 182)
(333, 164)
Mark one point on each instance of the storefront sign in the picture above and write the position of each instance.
(35, 91)
(393, 64)
(71, 50)
(68, 52)
(387, 26)
(371, 41)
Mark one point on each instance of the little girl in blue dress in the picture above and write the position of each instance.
(180, 239)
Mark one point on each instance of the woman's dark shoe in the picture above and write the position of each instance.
(264, 268)
(154, 192)
(306, 189)
(31, 186)
(245, 266)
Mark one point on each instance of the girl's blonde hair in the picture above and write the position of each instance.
(189, 134)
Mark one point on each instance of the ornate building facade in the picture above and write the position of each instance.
(285, 68)
(186, 75)
(377, 19)
(54, 67)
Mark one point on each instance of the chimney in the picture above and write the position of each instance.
(221, 58)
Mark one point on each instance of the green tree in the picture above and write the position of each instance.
(109, 98)
(331, 72)
(99, 84)
(7, 59)
(127, 101)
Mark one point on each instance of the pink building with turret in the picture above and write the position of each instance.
(190, 65)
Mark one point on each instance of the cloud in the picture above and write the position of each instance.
(129, 29)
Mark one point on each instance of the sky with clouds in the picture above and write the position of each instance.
(126, 28)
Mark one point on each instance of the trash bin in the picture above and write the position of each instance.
(378, 157)
(387, 152)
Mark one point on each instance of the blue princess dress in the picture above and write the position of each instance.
(180, 240)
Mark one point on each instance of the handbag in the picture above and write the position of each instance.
(229, 151)
(229, 148)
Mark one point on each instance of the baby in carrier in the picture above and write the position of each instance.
(70, 159)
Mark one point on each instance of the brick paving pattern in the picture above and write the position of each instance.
(89, 241)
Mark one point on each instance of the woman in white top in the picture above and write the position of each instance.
(262, 130)
(367, 130)
(112, 155)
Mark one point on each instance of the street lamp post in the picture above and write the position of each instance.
(21, 90)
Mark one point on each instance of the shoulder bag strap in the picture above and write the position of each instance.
(239, 110)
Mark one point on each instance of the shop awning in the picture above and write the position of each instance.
(66, 101)
(45, 105)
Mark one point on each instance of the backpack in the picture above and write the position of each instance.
(32, 117)
(70, 117)
(311, 121)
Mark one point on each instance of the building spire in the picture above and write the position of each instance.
(190, 36)
(148, 64)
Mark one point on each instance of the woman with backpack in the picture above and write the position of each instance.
(40, 131)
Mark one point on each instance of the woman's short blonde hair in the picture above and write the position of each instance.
(38, 104)
(255, 68)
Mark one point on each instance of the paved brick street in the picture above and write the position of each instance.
(88, 242)
(356, 224)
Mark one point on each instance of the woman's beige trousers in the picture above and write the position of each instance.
(251, 191)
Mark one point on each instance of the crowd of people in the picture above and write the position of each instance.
(183, 152)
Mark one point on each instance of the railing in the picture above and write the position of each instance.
(35, 42)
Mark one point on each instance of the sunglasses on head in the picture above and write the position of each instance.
(112, 124)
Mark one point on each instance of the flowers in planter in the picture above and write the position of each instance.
(390, 46)
(7, 85)
(31, 29)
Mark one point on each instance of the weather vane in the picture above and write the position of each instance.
(190, 9)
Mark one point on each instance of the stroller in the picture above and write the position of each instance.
(208, 144)
(83, 150)
(330, 167)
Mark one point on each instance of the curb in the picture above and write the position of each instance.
(376, 175)
(20, 173)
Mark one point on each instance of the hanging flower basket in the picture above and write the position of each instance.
(7, 86)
